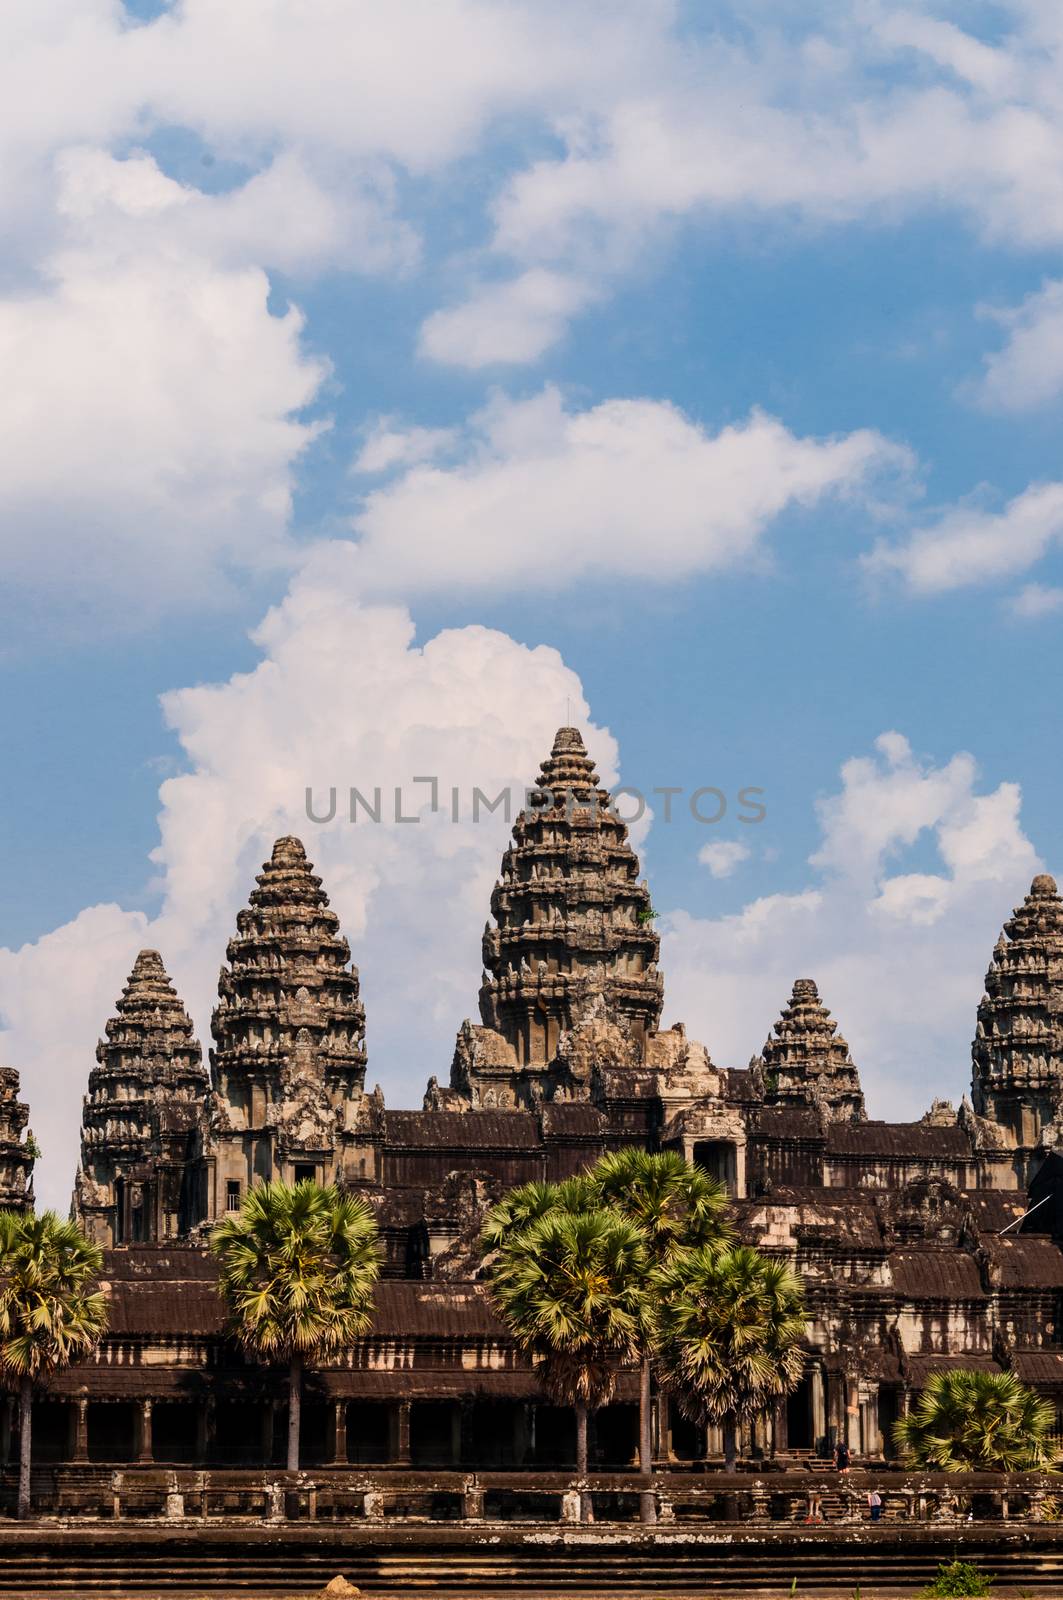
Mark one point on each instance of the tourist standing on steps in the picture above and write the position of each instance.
(874, 1504)
(842, 1457)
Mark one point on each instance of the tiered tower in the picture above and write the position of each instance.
(1018, 1046)
(574, 923)
(16, 1153)
(288, 1065)
(145, 1096)
(570, 982)
(807, 1062)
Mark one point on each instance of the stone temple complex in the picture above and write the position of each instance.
(907, 1235)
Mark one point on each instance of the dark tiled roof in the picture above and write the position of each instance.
(1039, 1366)
(572, 1121)
(430, 1383)
(461, 1130)
(993, 1209)
(788, 1122)
(433, 1310)
(154, 1263)
(402, 1309)
(920, 1367)
(1024, 1261)
(165, 1308)
(936, 1274)
(914, 1140)
(103, 1381)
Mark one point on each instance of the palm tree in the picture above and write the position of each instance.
(679, 1208)
(521, 1207)
(968, 1421)
(298, 1269)
(51, 1311)
(570, 1288)
(729, 1327)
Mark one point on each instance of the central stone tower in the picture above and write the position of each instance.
(572, 943)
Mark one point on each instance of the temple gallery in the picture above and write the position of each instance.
(907, 1235)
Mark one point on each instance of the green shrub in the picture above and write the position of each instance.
(958, 1578)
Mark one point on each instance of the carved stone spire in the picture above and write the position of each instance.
(807, 1061)
(288, 1005)
(1018, 1046)
(16, 1154)
(573, 923)
(148, 1067)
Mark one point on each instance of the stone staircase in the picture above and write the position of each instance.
(531, 1560)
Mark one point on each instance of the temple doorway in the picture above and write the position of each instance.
(799, 1430)
(368, 1433)
(434, 1436)
(174, 1430)
(112, 1429)
(719, 1159)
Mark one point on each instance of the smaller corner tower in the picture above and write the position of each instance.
(17, 1148)
(140, 1116)
(288, 1064)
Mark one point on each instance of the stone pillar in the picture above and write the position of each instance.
(80, 1452)
(819, 1406)
(662, 1432)
(338, 1452)
(143, 1440)
(851, 1434)
(780, 1432)
(400, 1433)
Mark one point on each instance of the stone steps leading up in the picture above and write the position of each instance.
(131, 1559)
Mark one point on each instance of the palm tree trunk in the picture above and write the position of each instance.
(25, 1444)
(730, 1444)
(581, 1458)
(647, 1501)
(295, 1401)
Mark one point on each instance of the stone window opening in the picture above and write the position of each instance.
(232, 1194)
(305, 1172)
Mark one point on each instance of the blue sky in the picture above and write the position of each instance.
(723, 358)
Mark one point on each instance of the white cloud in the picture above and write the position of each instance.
(1028, 371)
(970, 546)
(388, 445)
(512, 322)
(899, 954)
(343, 695)
(543, 496)
(1036, 600)
(149, 421)
(723, 857)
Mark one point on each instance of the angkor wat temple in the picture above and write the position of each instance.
(907, 1235)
